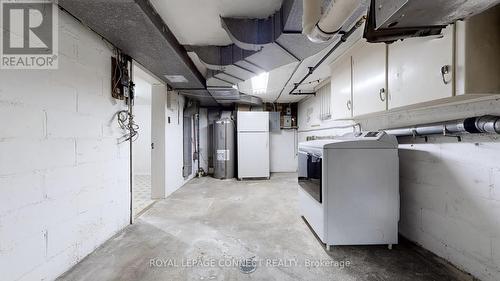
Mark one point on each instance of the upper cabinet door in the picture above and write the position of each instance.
(369, 78)
(341, 88)
(420, 69)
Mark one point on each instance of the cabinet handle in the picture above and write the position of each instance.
(446, 69)
(349, 103)
(381, 94)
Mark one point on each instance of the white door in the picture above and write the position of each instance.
(158, 117)
(415, 69)
(253, 155)
(341, 88)
(368, 78)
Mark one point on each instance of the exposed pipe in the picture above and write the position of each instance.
(321, 28)
(130, 103)
(487, 124)
(197, 144)
(355, 127)
(288, 81)
(343, 39)
(311, 16)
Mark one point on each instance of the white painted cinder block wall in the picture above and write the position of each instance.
(450, 190)
(310, 124)
(63, 177)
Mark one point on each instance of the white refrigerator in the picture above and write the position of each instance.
(253, 144)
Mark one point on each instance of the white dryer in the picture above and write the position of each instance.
(349, 188)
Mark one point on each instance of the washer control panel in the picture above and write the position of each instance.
(372, 134)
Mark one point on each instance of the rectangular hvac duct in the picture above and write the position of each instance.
(420, 13)
(136, 28)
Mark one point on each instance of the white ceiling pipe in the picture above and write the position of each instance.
(323, 28)
(311, 16)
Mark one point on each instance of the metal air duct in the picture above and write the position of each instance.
(279, 31)
(224, 96)
(218, 57)
(321, 28)
(136, 28)
(261, 44)
(392, 20)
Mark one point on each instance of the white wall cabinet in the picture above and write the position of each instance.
(369, 78)
(478, 54)
(372, 78)
(341, 88)
(420, 69)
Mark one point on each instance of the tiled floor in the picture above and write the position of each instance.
(142, 193)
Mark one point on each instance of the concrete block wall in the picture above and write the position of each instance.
(449, 200)
(450, 190)
(310, 124)
(63, 176)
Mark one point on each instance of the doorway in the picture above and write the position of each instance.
(141, 149)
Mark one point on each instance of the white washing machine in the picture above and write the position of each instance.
(349, 188)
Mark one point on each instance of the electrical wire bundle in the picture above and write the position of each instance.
(117, 71)
(126, 122)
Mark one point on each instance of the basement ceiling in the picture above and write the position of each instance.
(197, 22)
(200, 24)
(212, 43)
(282, 79)
(134, 27)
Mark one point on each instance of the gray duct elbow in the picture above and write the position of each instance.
(320, 27)
(488, 124)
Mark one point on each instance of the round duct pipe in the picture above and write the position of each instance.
(487, 124)
(311, 16)
(321, 28)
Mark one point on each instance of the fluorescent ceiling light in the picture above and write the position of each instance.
(176, 78)
(259, 83)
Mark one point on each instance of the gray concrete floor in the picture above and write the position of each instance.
(222, 222)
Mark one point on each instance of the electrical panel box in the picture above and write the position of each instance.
(171, 100)
(121, 84)
(274, 121)
(287, 121)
